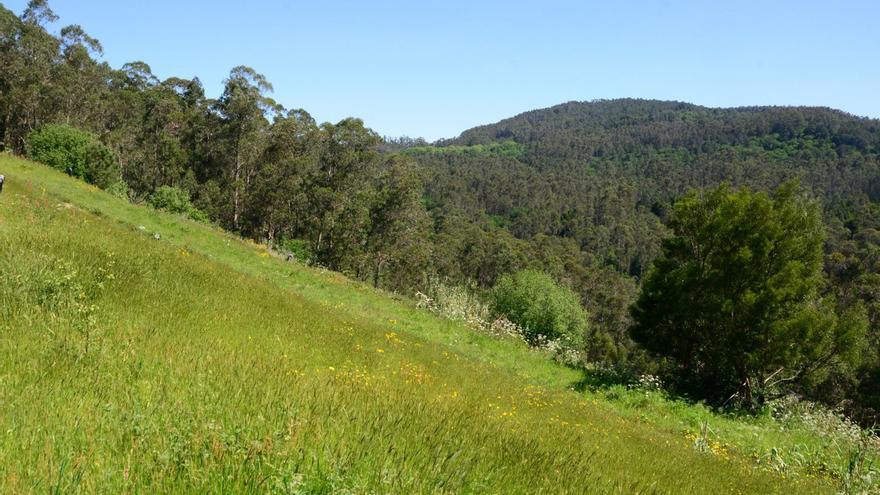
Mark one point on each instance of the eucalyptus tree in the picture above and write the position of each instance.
(341, 191)
(280, 207)
(79, 81)
(28, 54)
(398, 242)
(244, 108)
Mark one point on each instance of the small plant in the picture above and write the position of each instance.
(701, 441)
(862, 475)
(119, 189)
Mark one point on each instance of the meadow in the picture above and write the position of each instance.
(144, 352)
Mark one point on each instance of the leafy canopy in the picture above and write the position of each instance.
(734, 299)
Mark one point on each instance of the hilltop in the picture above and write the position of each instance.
(603, 127)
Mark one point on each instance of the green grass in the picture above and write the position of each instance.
(201, 363)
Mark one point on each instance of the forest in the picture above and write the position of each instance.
(598, 197)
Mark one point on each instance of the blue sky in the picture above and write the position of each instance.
(434, 69)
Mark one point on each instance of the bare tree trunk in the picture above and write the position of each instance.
(236, 176)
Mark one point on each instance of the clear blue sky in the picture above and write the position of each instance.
(434, 69)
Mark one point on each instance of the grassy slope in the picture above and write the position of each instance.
(200, 362)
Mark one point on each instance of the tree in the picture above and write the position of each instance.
(534, 301)
(340, 193)
(244, 106)
(79, 90)
(279, 207)
(399, 227)
(734, 299)
(28, 57)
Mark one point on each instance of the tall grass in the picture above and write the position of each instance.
(199, 363)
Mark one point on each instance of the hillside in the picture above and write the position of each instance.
(145, 352)
(585, 191)
(605, 173)
(213, 292)
(603, 127)
(582, 192)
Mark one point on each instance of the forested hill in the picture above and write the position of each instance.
(605, 173)
(595, 129)
(584, 190)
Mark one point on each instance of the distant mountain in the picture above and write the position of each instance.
(583, 190)
(599, 128)
(605, 173)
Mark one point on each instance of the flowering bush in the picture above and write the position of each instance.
(648, 383)
(461, 304)
(543, 308)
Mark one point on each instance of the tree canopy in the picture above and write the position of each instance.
(735, 297)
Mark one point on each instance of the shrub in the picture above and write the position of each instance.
(300, 249)
(78, 153)
(175, 200)
(463, 304)
(544, 309)
(119, 189)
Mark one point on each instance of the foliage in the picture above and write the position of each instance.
(462, 304)
(507, 149)
(534, 301)
(174, 200)
(299, 249)
(734, 298)
(119, 189)
(76, 152)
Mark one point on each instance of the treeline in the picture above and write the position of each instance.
(248, 163)
(581, 191)
(336, 194)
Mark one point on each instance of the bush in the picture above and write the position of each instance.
(544, 309)
(119, 189)
(78, 153)
(300, 249)
(175, 200)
